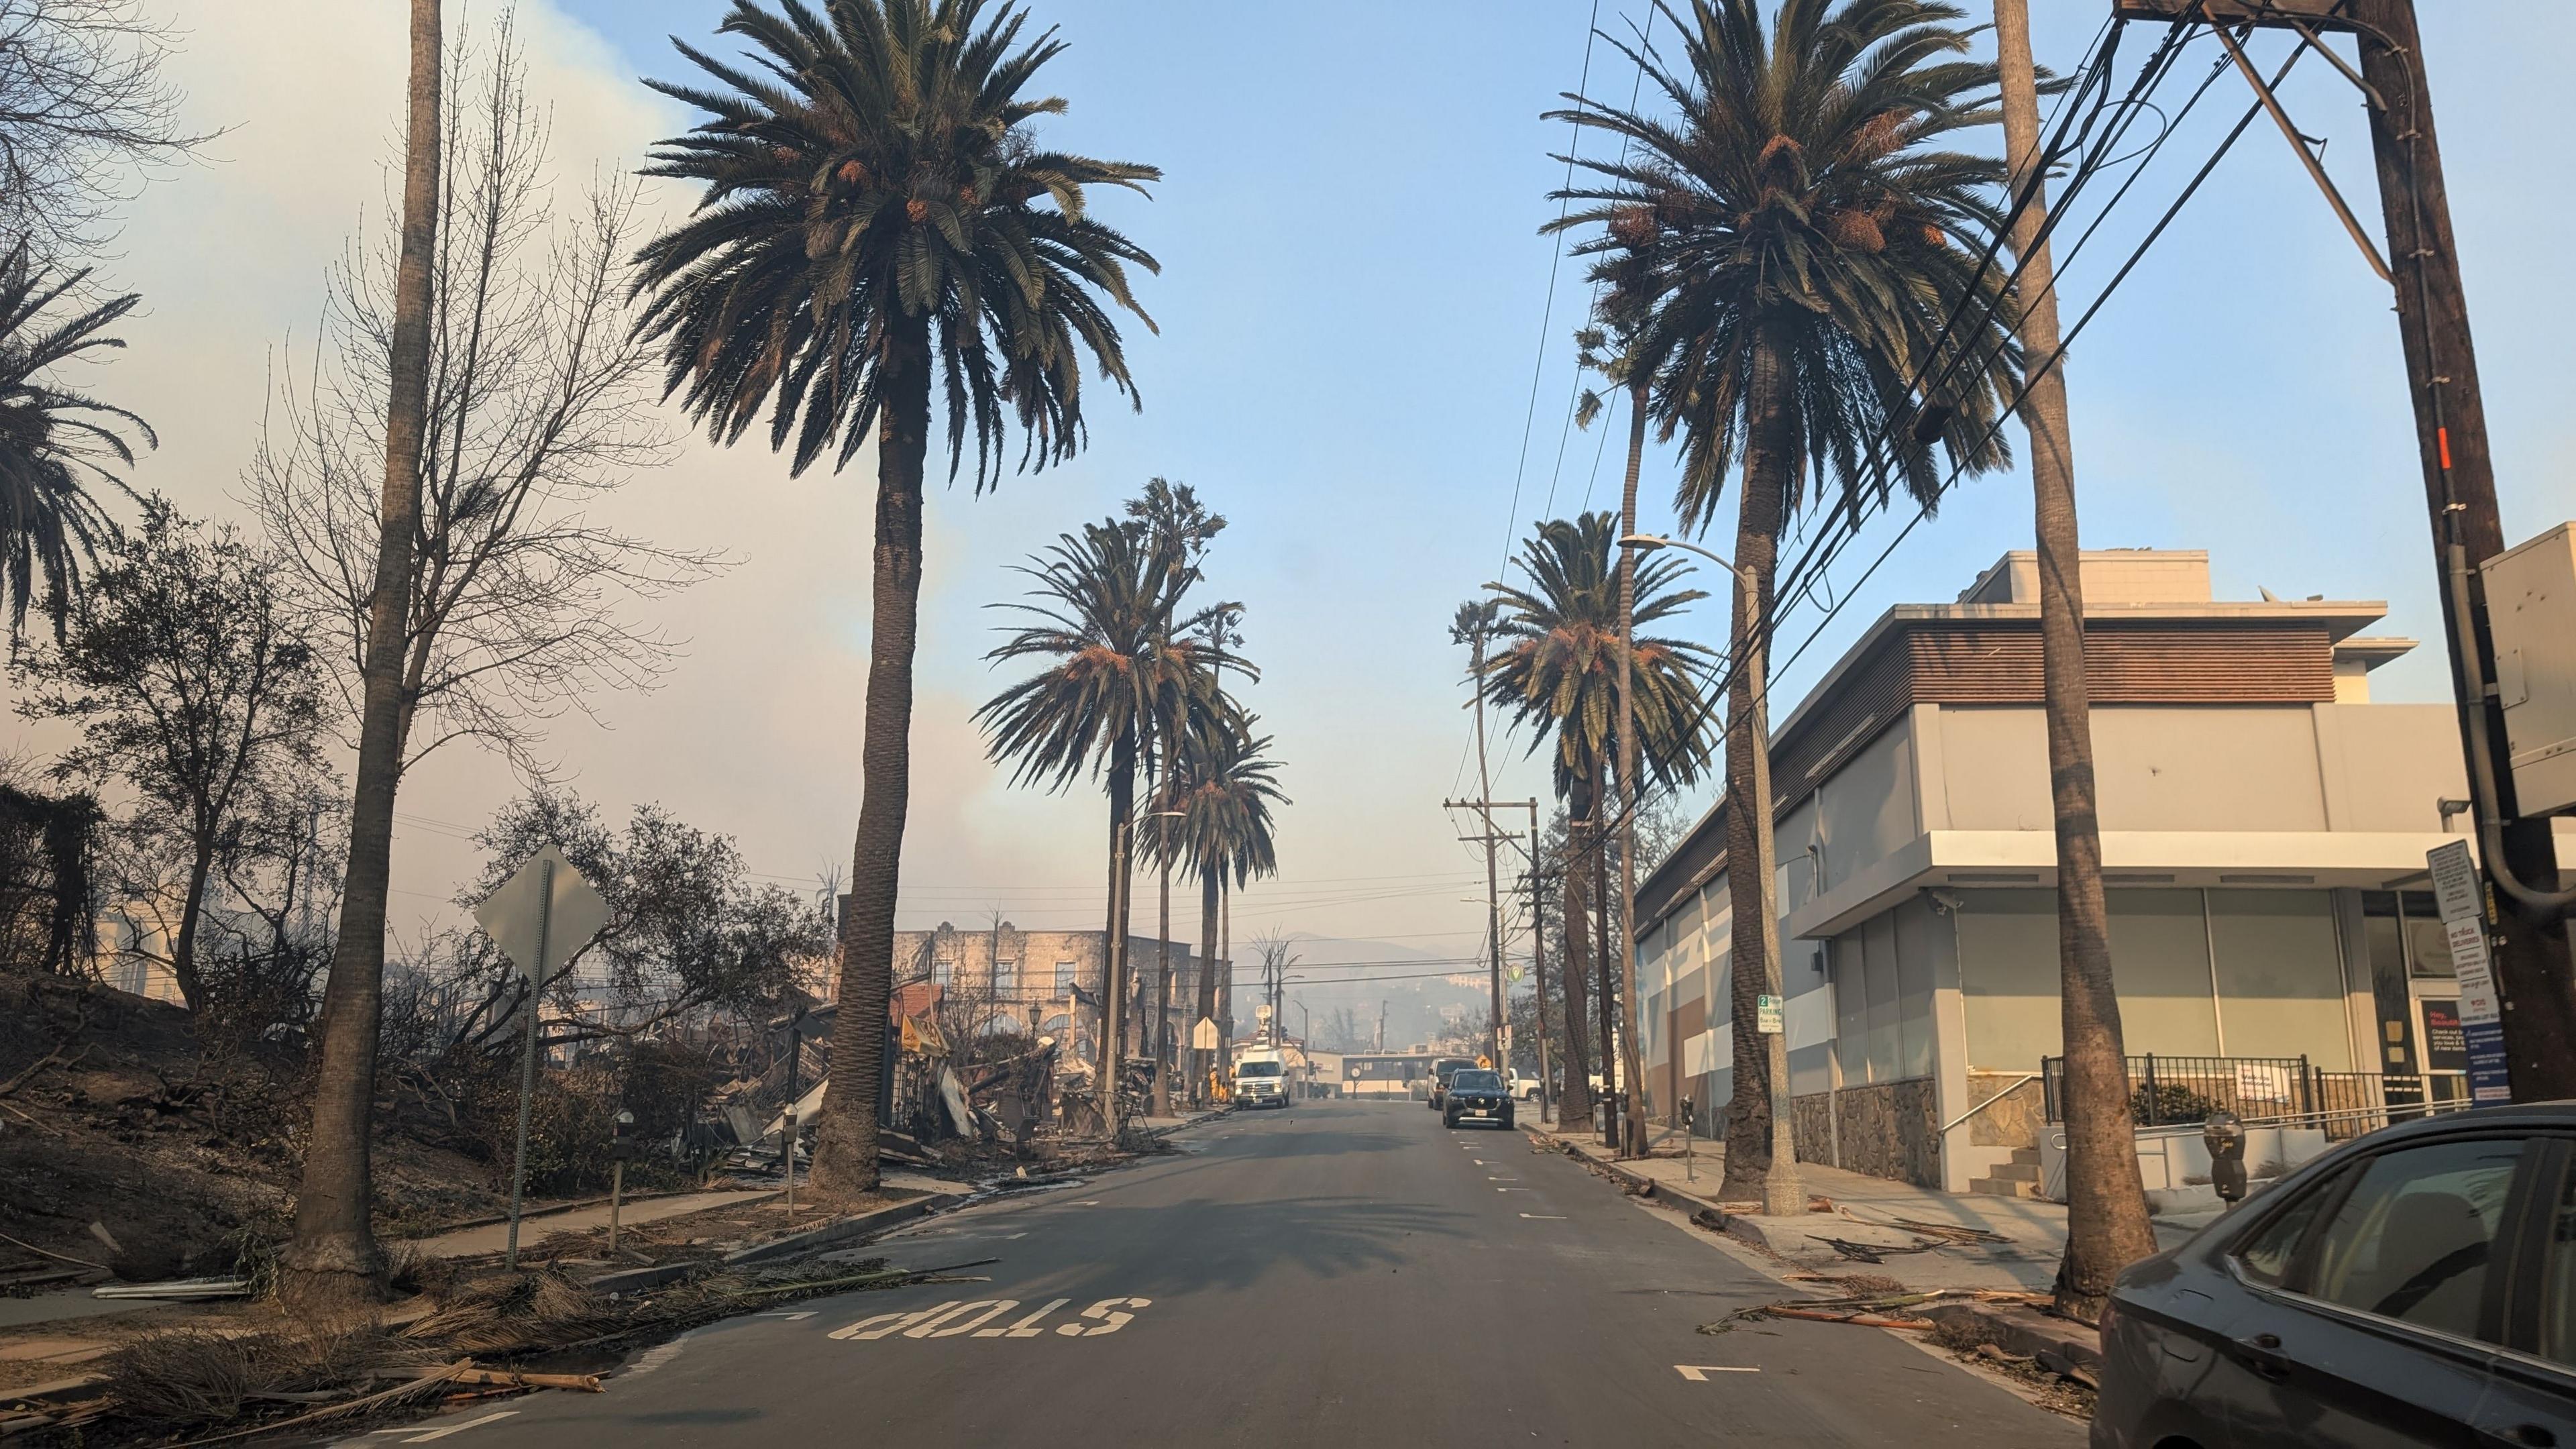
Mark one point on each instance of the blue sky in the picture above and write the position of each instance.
(1351, 311)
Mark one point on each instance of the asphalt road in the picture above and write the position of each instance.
(1341, 1274)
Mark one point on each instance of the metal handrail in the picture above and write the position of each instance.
(1990, 1101)
(2392, 1111)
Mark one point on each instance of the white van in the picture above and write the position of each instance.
(1261, 1078)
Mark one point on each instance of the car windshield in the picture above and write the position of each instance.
(1447, 1070)
(1475, 1082)
(1258, 1069)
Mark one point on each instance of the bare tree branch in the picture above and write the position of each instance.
(541, 403)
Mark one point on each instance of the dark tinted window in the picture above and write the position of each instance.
(1475, 1081)
(2265, 1257)
(2413, 1238)
(2558, 1278)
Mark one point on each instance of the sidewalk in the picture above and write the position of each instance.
(1970, 1243)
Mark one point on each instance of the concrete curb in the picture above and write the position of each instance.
(2023, 1330)
(1691, 1203)
(863, 1225)
(2057, 1343)
(55, 1391)
(635, 1280)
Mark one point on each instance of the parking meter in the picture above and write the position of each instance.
(621, 1143)
(2226, 1138)
(1689, 1110)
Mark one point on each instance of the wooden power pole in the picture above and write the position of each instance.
(2530, 945)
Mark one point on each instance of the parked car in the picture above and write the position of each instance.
(1477, 1094)
(1523, 1089)
(1440, 1073)
(2416, 1286)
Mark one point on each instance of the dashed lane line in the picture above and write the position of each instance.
(1698, 1372)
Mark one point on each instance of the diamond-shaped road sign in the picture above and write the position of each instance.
(520, 914)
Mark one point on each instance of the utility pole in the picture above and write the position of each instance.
(1538, 961)
(1632, 1140)
(1475, 618)
(1381, 1027)
(2530, 948)
(2107, 1221)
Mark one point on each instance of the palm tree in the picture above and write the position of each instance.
(1121, 658)
(333, 1262)
(1225, 785)
(52, 439)
(1820, 310)
(878, 216)
(1557, 672)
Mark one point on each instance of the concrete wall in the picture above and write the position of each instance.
(1886, 1129)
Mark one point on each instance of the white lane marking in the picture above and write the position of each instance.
(1110, 1319)
(1698, 1372)
(1546, 1217)
(792, 1317)
(1093, 1202)
(1013, 1237)
(964, 1325)
(1026, 1327)
(1515, 1189)
(1502, 1179)
(655, 1357)
(420, 1434)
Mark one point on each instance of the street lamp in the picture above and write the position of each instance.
(1783, 1191)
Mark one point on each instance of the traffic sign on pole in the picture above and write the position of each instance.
(542, 917)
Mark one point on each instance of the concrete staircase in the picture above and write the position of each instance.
(2017, 1178)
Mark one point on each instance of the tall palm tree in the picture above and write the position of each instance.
(1225, 786)
(1821, 311)
(53, 440)
(1556, 670)
(333, 1262)
(1120, 656)
(879, 216)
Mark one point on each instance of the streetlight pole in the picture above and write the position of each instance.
(1783, 1192)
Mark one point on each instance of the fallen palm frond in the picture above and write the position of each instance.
(185, 1376)
(1873, 1310)
(512, 1313)
(398, 1395)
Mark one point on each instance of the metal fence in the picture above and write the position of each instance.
(2173, 1091)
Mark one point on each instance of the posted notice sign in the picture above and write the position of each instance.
(2462, 897)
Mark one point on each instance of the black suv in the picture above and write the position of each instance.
(1477, 1094)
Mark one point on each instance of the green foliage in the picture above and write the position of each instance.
(688, 928)
(1791, 195)
(53, 441)
(1124, 658)
(1556, 670)
(2168, 1102)
(1224, 784)
(875, 191)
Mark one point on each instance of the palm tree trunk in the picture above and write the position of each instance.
(1576, 1109)
(2107, 1226)
(845, 1131)
(1608, 1002)
(1225, 988)
(1208, 883)
(1633, 1143)
(1113, 988)
(333, 1263)
(1163, 995)
(1753, 1137)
